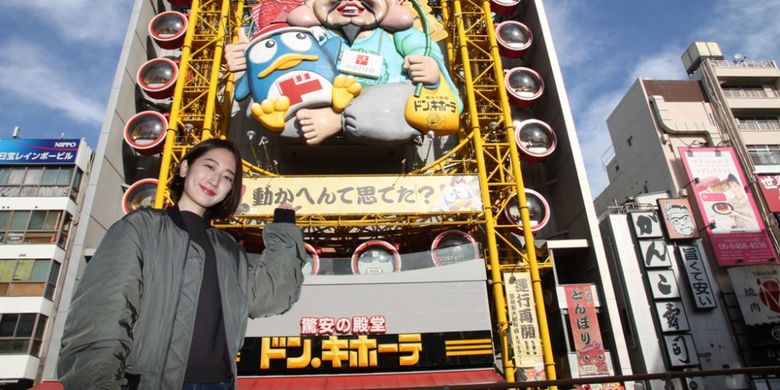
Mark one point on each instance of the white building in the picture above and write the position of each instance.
(41, 194)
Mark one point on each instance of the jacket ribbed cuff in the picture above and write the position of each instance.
(284, 215)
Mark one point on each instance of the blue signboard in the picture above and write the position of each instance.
(38, 151)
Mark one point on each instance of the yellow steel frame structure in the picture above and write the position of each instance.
(201, 109)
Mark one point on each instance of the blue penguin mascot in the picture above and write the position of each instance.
(287, 69)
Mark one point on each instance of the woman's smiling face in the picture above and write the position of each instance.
(207, 181)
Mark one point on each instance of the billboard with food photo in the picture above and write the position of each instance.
(727, 209)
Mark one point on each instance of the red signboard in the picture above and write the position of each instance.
(585, 329)
(770, 187)
(736, 231)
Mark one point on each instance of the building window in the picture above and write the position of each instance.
(764, 154)
(74, 188)
(759, 123)
(750, 93)
(21, 333)
(38, 181)
(28, 277)
(19, 227)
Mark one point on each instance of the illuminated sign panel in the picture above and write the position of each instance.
(727, 209)
(362, 195)
(38, 151)
(296, 355)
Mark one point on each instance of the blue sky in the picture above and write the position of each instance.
(59, 57)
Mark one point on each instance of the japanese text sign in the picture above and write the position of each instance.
(770, 188)
(663, 284)
(646, 224)
(344, 354)
(585, 330)
(726, 207)
(373, 324)
(38, 151)
(655, 254)
(757, 288)
(698, 281)
(671, 316)
(524, 332)
(681, 350)
(362, 195)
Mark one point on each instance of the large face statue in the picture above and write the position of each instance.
(350, 17)
(680, 219)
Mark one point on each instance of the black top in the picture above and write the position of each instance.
(208, 361)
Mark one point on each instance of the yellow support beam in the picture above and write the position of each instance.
(490, 234)
(196, 96)
(522, 203)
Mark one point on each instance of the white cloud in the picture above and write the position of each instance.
(663, 65)
(748, 26)
(99, 22)
(30, 76)
(568, 31)
(594, 137)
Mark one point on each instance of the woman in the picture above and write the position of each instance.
(163, 304)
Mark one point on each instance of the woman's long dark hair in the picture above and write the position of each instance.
(227, 206)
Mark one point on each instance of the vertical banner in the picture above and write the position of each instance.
(698, 281)
(678, 219)
(585, 330)
(770, 188)
(729, 211)
(524, 332)
(757, 288)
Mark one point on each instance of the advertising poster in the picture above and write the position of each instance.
(585, 330)
(362, 195)
(757, 288)
(726, 207)
(524, 332)
(678, 219)
(770, 188)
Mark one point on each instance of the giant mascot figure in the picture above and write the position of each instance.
(372, 75)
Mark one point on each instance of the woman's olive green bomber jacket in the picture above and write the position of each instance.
(133, 312)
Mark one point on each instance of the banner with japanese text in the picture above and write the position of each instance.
(38, 151)
(524, 332)
(757, 288)
(698, 279)
(585, 329)
(362, 195)
(770, 188)
(727, 209)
